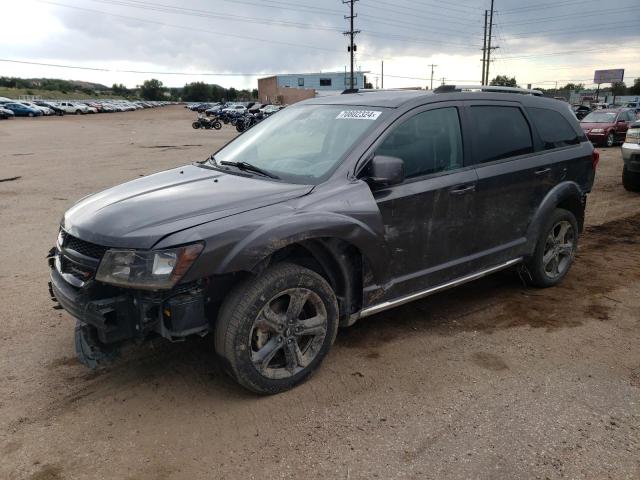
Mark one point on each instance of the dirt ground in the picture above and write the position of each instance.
(491, 380)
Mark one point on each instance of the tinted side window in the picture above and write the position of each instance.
(501, 132)
(553, 128)
(428, 142)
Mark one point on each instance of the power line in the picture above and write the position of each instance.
(155, 22)
(163, 8)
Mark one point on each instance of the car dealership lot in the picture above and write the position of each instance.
(492, 380)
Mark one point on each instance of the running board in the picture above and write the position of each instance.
(430, 291)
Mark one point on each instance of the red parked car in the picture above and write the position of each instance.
(608, 127)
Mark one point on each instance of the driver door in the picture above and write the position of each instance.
(428, 218)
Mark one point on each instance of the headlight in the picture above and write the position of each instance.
(597, 130)
(633, 135)
(150, 270)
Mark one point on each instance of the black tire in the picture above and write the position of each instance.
(610, 141)
(630, 180)
(89, 350)
(30, 114)
(244, 328)
(217, 125)
(78, 112)
(541, 265)
(196, 125)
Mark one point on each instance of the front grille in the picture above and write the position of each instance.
(81, 272)
(88, 249)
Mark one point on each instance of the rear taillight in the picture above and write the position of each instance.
(595, 158)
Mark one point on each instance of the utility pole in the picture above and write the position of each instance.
(489, 47)
(484, 48)
(432, 67)
(443, 79)
(351, 33)
(382, 68)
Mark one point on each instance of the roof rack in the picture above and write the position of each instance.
(382, 90)
(486, 88)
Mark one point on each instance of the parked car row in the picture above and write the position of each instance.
(21, 108)
(210, 109)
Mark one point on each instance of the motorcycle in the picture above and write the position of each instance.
(207, 123)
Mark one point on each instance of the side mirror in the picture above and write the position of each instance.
(386, 170)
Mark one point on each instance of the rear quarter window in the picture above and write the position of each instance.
(554, 130)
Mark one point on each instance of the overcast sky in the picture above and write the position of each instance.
(539, 42)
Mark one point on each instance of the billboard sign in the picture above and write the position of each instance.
(608, 76)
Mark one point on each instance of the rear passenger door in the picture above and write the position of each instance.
(509, 177)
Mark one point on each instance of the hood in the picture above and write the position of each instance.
(139, 213)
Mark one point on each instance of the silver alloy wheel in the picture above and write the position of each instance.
(610, 140)
(559, 249)
(288, 333)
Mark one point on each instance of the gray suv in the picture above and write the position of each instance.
(335, 209)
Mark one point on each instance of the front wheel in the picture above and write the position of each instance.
(630, 180)
(274, 330)
(78, 112)
(196, 125)
(555, 250)
(31, 114)
(610, 140)
(217, 125)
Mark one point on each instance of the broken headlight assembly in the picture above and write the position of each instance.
(149, 270)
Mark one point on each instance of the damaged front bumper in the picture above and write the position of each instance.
(120, 314)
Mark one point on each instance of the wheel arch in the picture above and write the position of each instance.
(566, 195)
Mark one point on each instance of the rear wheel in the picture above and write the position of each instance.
(630, 180)
(274, 330)
(78, 112)
(196, 125)
(31, 114)
(217, 125)
(555, 250)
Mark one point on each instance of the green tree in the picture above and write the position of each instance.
(152, 90)
(232, 94)
(254, 93)
(573, 87)
(618, 88)
(504, 81)
(196, 92)
(635, 88)
(119, 89)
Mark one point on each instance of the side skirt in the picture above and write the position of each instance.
(430, 291)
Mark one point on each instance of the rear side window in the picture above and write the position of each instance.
(553, 128)
(501, 132)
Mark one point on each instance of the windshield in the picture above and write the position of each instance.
(302, 144)
(600, 117)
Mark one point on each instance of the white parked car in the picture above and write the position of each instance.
(70, 107)
(236, 109)
(270, 109)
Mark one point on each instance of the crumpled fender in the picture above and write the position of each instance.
(276, 235)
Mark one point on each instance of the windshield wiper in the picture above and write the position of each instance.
(250, 168)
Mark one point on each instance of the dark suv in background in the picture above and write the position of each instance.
(335, 209)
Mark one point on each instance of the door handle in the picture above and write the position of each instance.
(542, 171)
(462, 189)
